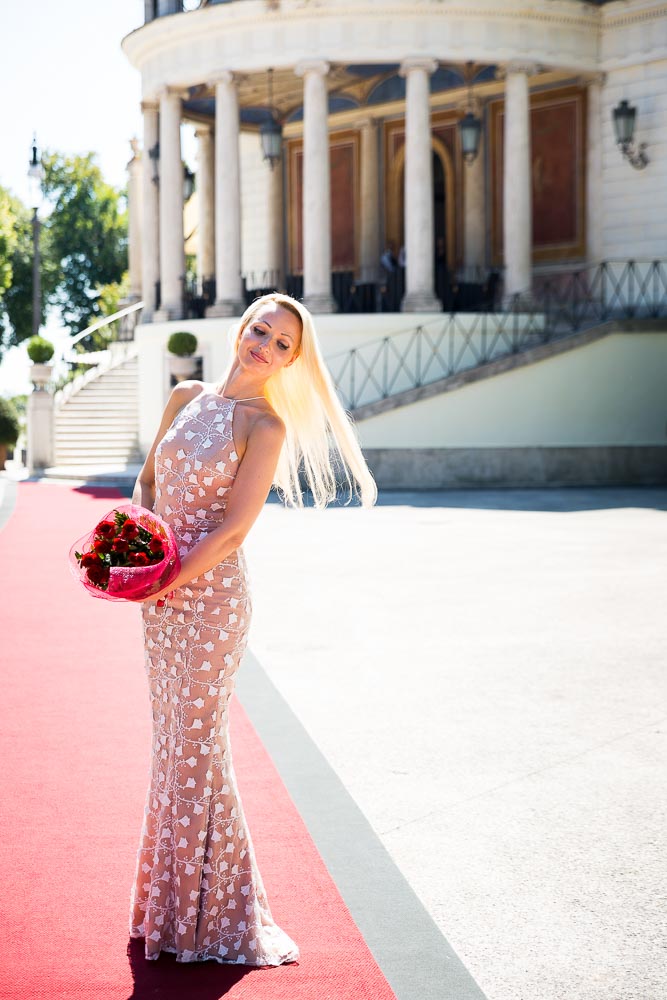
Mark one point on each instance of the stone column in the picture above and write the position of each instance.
(369, 241)
(275, 241)
(228, 284)
(40, 421)
(150, 245)
(474, 214)
(316, 188)
(517, 183)
(172, 239)
(419, 232)
(134, 212)
(206, 206)
(594, 245)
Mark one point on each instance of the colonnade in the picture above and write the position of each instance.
(163, 259)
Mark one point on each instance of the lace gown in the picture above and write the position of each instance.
(197, 890)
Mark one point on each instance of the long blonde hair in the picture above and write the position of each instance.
(320, 438)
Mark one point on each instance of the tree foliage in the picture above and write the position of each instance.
(87, 228)
(16, 256)
(83, 249)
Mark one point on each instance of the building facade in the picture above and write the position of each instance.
(372, 206)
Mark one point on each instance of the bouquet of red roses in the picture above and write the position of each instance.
(131, 554)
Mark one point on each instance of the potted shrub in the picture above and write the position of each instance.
(182, 346)
(40, 352)
(9, 428)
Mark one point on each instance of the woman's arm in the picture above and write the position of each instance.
(144, 488)
(246, 499)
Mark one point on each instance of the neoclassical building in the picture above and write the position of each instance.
(369, 96)
(435, 157)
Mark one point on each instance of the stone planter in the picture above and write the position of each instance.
(182, 368)
(40, 375)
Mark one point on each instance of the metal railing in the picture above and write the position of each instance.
(561, 304)
(120, 327)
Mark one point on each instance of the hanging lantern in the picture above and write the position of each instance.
(470, 126)
(271, 131)
(470, 130)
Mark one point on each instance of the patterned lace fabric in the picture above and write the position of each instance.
(198, 892)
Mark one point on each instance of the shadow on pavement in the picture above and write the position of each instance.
(555, 499)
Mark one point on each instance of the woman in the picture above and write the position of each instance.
(198, 892)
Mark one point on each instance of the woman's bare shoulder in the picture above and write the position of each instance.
(188, 389)
(267, 421)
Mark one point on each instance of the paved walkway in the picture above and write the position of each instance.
(485, 673)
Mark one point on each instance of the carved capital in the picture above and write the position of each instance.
(222, 76)
(318, 66)
(525, 66)
(418, 63)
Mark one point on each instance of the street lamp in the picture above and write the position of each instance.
(35, 177)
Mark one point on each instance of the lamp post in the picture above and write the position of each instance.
(40, 402)
(35, 177)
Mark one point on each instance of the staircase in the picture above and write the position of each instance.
(95, 428)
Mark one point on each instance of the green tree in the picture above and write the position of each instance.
(16, 255)
(87, 235)
(83, 249)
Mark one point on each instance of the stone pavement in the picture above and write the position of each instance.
(485, 671)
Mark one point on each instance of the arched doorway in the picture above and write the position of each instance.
(443, 201)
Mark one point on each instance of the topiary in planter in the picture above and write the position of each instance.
(182, 344)
(9, 428)
(40, 350)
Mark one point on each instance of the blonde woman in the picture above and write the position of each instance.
(219, 449)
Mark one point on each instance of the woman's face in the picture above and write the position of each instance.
(270, 341)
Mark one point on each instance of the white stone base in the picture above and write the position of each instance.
(421, 302)
(166, 313)
(320, 304)
(226, 307)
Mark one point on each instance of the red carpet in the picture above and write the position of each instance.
(75, 738)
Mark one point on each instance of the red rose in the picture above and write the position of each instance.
(97, 573)
(139, 559)
(102, 545)
(106, 529)
(155, 544)
(121, 545)
(130, 530)
(89, 559)
(157, 556)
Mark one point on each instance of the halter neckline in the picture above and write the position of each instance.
(230, 399)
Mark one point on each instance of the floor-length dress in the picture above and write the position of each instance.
(198, 891)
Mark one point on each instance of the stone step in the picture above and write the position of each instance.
(103, 436)
(125, 416)
(92, 455)
(86, 461)
(86, 402)
(93, 389)
(95, 431)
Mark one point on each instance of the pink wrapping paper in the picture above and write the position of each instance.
(131, 583)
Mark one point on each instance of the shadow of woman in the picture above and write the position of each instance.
(167, 979)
